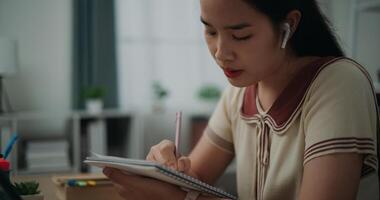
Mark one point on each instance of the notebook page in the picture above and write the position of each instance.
(153, 170)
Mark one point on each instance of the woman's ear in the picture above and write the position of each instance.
(293, 19)
(290, 26)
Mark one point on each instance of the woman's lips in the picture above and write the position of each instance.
(230, 73)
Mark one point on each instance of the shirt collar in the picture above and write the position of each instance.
(290, 100)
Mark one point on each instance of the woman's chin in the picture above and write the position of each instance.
(240, 84)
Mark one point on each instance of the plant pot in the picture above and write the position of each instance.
(33, 197)
(94, 106)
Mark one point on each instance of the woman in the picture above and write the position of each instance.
(300, 119)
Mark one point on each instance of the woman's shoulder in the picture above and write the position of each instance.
(343, 71)
(345, 67)
(341, 80)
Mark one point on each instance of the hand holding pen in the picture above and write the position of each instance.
(167, 153)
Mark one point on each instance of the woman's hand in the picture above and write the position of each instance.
(164, 153)
(136, 187)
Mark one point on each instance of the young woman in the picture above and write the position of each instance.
(300, 119)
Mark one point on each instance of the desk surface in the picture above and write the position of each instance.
(47, 187)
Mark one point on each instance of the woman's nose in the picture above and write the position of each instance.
(224, 52)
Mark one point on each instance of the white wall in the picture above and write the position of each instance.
(367, 39)
(358, 32)
(43, 29)
(341, 16)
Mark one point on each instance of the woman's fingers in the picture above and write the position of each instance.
(128, 186)
(123, 178)
(115, 175)
(118, 176)
(184, 164)
(164, 154)
(150, 157)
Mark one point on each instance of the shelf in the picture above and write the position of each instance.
(107, 132)
(109, 113)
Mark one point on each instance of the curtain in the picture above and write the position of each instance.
(94, 50)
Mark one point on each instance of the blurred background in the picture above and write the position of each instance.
(108, 75)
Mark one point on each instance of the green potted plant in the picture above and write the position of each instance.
(28, 190)
(94, 96)
(160, 94)
(208, 95)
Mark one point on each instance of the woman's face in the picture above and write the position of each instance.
(241, 40)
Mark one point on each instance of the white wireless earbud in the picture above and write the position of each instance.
(286, 28)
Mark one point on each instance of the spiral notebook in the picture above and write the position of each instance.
(157, 171)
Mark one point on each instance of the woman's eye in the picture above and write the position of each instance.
(242, 38)
(210, 33)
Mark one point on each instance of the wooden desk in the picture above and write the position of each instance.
(47, 187)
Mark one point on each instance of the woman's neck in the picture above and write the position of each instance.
(271, 88)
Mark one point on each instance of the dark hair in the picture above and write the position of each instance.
(313, 36)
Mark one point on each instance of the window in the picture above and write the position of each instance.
(162, 41)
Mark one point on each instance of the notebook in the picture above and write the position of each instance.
(157, 171)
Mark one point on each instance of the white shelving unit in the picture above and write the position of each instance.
(14, 123)
(92, 127)
(91, 132)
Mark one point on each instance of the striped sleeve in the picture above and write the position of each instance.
(364, 146)
(341, 115)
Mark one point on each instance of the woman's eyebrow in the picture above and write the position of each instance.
(233, 27)
(238, 26)
(204, 22)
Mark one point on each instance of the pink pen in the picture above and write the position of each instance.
(178, 133)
